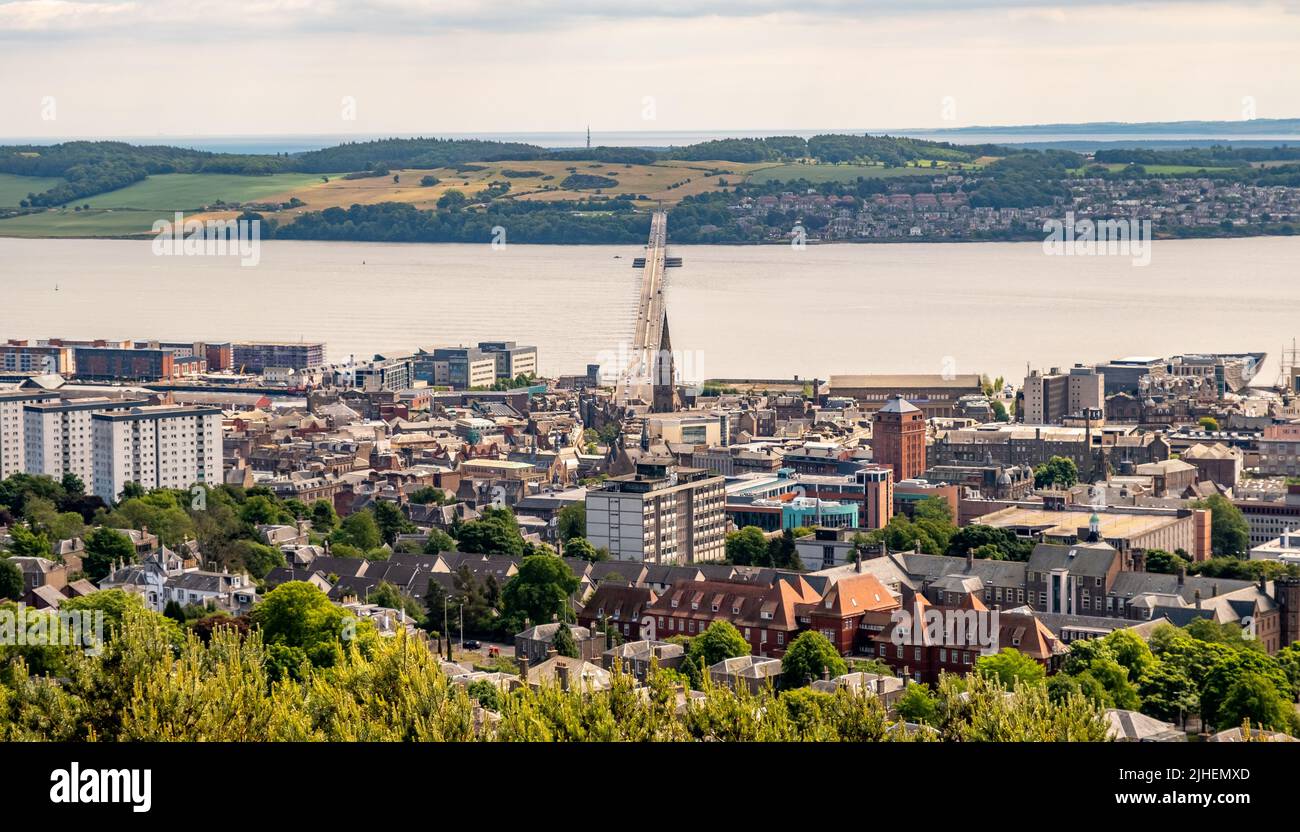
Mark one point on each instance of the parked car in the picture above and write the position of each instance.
(471, 645)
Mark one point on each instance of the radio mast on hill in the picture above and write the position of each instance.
(589, 137)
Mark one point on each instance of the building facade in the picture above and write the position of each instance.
(160, 446)
(13, 446)
(58, 436)
(255, 357)
(898, 438)
(660, 514)
(1051, 397)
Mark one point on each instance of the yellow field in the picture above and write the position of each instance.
(654, 181)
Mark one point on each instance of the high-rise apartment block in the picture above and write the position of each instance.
(159, 446)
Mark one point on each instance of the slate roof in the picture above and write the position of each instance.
(1090, 559)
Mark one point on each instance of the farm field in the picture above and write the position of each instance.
(14, 189)
(666, 182)
(93, 223)
(191, 191)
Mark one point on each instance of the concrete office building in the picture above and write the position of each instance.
(383, 373)
(13, 447)
(1123, 374)
(660, 514)
(511, 359)
(160, 446)
(456, 367)
(57, 435)
(870, 487)
(1050, 398)
(253, 357)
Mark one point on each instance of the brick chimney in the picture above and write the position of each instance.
(562, 673)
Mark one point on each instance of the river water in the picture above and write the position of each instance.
(765, 312)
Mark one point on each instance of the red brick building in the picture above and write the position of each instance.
(910, 648)
(839, 614)
(764, 615)
(898, 438)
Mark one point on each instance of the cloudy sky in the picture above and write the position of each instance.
(232, 67)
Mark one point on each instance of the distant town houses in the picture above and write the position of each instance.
(765, 504)
(1173, 205)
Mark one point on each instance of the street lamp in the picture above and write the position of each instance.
(446, 634)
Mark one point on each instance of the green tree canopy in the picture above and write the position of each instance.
(539, 591)
(564, 643)
(1057, 472)
(1229, 533)
(104, 547)
(571, 521)
(11, 580)
(807, 657)
(1010, 667)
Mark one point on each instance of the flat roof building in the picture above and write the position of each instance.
(660, 514)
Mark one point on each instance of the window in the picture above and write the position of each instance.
(882, 649)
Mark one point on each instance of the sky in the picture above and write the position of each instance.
(137, 68)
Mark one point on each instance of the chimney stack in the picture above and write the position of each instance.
(970, 560)
(857, 560)
(826, 674)
(523, 669)
(1182, 575)
(562, 672)
(1198, 599)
